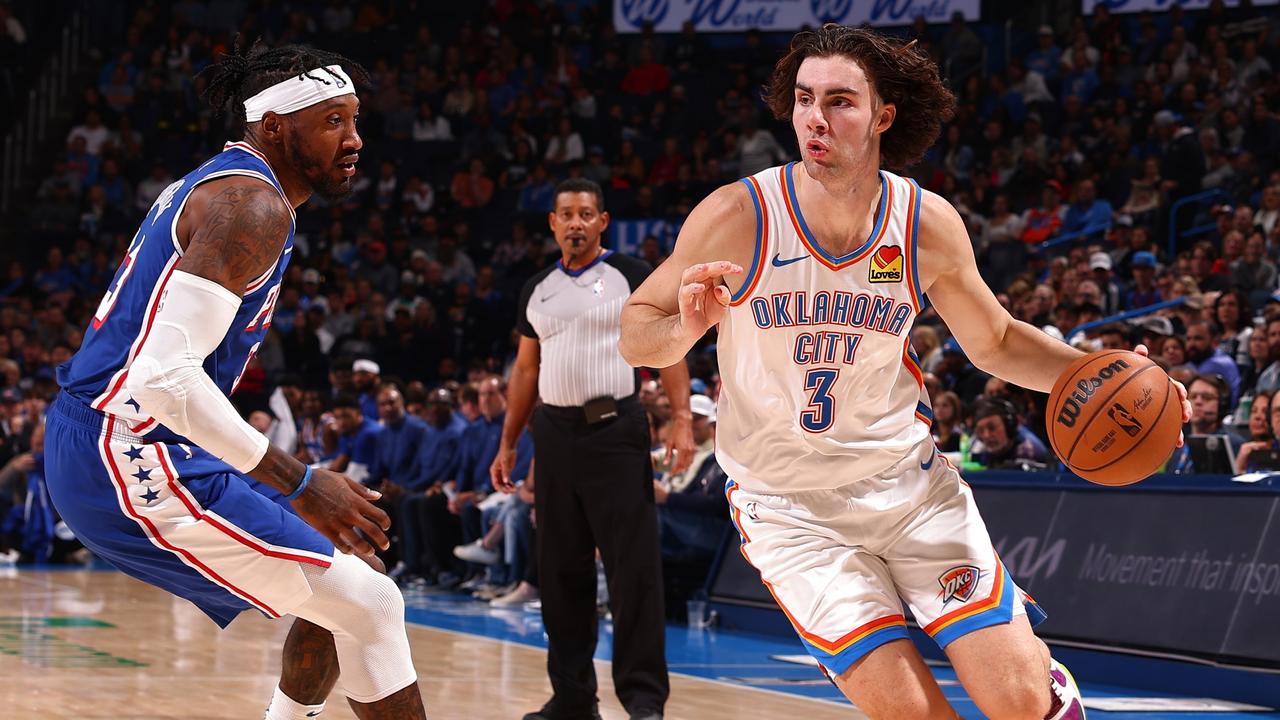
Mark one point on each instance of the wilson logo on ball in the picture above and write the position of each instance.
(959, 583)
(1085, 390)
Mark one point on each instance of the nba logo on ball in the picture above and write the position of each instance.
(1125, 419)
(959, 583)
(886, 265)
(1113, 417)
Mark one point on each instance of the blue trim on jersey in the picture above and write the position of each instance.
(840, 663)
(575, 273)
(755, 257)
(804, 227)
(914, 241)
(998, 615)
(924, 410)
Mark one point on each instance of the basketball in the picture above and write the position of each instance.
(1113, 417)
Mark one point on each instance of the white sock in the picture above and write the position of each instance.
(284, 707)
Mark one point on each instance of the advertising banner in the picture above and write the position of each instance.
(1175, 575)
(1133, 6)
(669, 16)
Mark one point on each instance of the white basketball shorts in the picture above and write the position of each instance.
(841, 562)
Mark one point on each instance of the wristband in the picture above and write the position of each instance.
(302, 485)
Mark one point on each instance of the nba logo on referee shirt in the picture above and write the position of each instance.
(597, 288)
(959, 583)
(886, 265)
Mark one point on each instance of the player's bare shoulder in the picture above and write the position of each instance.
(721, 227)
(943, 243)
(232, 230)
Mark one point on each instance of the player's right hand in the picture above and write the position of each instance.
(500, 470)
(703, 298)
(343, 511)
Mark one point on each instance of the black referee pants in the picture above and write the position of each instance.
(595, 490)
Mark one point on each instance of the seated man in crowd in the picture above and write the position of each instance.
(439, 455)
(395, 458)
(693, 512)
(357, 439)
(1210, 397)
(1001, 440)
(471, 489)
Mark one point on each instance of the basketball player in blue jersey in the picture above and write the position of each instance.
(148, 461)
(842, 501)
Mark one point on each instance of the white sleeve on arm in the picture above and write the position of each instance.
(168, 380)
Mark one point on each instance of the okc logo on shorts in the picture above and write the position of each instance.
(886, 265)
(959, 583)
(639, 12)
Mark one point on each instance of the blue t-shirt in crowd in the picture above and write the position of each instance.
(361, 445)
(439, 454)
(397, 450)
(1078, 218)
(369, 406)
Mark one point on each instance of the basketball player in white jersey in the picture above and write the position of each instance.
(843, 503)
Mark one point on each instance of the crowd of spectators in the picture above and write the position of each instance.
(393, 328)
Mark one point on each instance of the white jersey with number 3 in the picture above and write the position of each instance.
(820, 385)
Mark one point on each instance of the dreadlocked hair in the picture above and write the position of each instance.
(243, 73)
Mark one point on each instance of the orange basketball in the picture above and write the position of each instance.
(1113, 417)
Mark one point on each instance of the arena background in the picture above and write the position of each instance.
(1117, 164)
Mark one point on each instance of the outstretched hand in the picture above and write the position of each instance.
(1142, 350)
(703, 298)
(343, 511)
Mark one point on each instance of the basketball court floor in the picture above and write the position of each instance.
(97, 644)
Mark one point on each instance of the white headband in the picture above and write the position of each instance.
(299, 92)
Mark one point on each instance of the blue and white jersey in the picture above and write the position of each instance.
(96, 374)
(820, 384)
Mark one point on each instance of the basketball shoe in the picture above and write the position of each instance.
(1067, 704)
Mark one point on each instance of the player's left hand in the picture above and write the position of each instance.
(680, 445)
(1142, 350)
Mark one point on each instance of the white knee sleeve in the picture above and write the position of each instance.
(365, 612)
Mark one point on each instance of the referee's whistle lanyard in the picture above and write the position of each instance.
(599, 252)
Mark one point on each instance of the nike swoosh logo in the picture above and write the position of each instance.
(545, 298)
(313, 713)
(779, 262)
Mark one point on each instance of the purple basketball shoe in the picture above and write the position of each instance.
(1067, 704)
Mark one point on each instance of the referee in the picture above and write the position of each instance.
(595, 481)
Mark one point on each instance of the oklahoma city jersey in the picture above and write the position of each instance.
(96, 374)
(820, 385)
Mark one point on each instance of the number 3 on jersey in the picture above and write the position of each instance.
(122, 274)
(822, 404)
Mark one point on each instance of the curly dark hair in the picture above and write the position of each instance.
(899, 73)
(245, 72)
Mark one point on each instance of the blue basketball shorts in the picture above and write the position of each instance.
(174, 516)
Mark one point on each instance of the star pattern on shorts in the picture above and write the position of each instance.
(150, 495)
(134, 453)
(143, 474)
(134, 404)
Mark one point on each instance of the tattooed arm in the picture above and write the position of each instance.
(232, 231)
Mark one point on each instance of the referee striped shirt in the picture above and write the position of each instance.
(576, 317)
